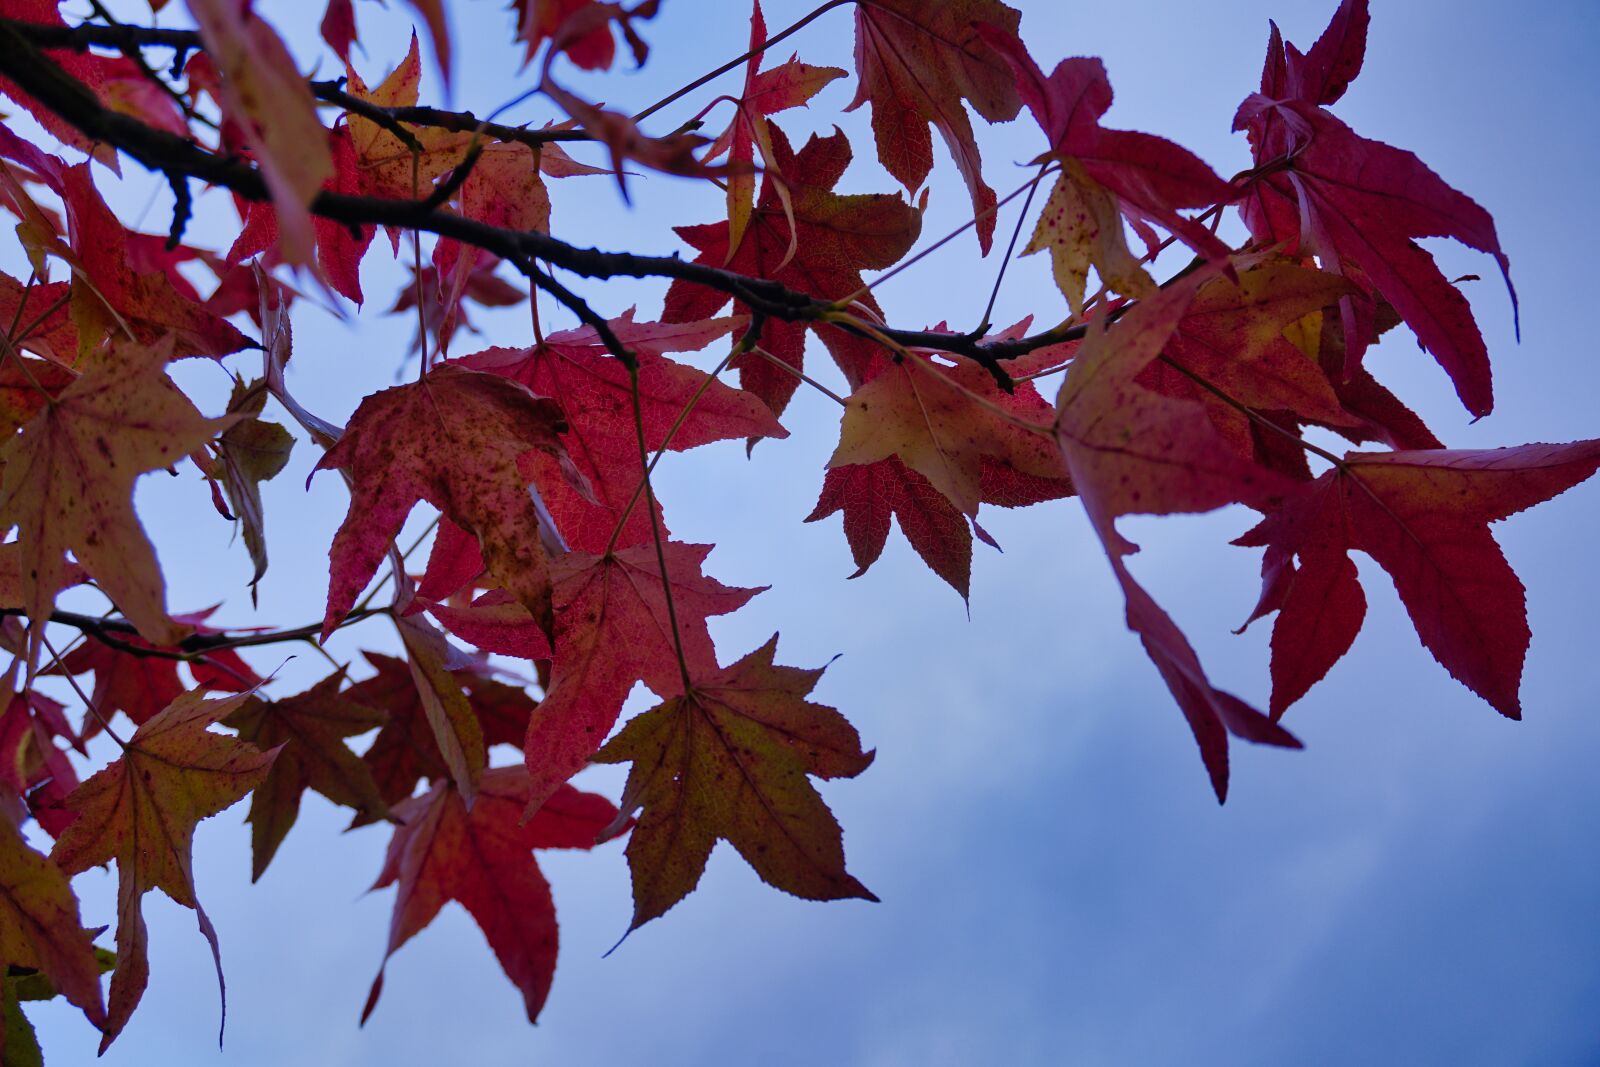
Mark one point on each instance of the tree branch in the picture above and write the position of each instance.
(172, 155)
(115, 633)
(390, 118)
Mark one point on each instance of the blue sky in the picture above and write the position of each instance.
(1058, 885)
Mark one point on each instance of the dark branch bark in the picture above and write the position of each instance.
(115, 632)
(175, 156)
(332, 92)
(118, 38)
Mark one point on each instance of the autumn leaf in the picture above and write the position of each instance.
(595, 393)
(434, 16)
(1379, 415)
(40, 312)
(451, 439)
(1150, 178)
(1132, 451)
(141, 811)
(308, 731)
(1423, 516)
(943, 421)
(340, 248)
(265, 95)
(581, 29)
(250, 452)
(1358, 203)
(503, 188)
(839, 237)
(786, 86)
(613, 629)
(728, 760)
(112, 298)
(406, 749)
(670, 153)
(1321, 75)
(493, 622)
(68, 483)
(26, 388)
(1081, 227)
(457, 735)
(1232, 334)
(917, 60)
(386, 165)
(39, 925)
(871, 494)
(338, 27)
(32, 765)
(483, 858)
(444, 301)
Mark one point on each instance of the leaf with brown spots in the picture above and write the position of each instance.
(387, 166)
(141, 811)
(1145, 177)
(872, 494)
(453, 440)
(729, 760)
(68, 483)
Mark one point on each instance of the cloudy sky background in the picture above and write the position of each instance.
(1058, 884)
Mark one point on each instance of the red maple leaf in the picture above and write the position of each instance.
(452, 439)
(141, 811)
(1150, 177)
(1359, 204)
(483, 858)
(839, 237)
(614, 629)
(405, 749)
(917, 60)
(1423, 516)
(1133, 451)
(595, 393)
(785, 86)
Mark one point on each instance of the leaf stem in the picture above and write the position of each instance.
(76, 688)
(655, 527)
(733, 64)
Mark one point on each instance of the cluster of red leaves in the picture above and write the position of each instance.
(552, 548)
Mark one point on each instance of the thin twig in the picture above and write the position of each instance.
(733, 64)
